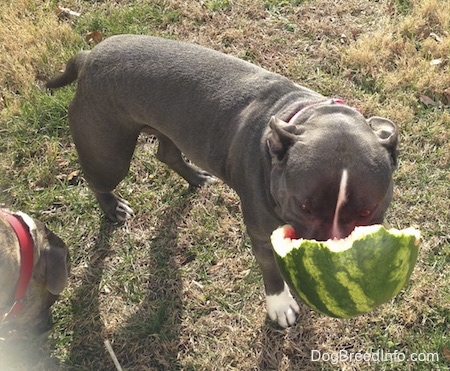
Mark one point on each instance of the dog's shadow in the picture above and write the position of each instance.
(154, 326)
(285, 348)
(87, 335)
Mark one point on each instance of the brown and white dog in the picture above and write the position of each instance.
(34, 267)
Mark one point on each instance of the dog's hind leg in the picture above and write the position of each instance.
(171, 155)
(105, 149)
(103, 176)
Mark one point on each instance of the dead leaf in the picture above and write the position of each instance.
(72, 178)
(446, 97)
(446, 352)
(427, 100)
(73, 174)
(93, 37)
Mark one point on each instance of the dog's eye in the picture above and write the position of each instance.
(365, 213)
(305, 208)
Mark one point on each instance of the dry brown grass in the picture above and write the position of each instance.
(29, 34)
(409, 57)
(177, 287)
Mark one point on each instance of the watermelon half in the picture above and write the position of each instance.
(351, 276)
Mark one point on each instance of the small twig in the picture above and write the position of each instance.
(113, 355)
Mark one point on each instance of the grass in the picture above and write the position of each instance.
(177, 287)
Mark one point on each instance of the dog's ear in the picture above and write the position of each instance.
(387, 133)
(279, 140)
(53, 266)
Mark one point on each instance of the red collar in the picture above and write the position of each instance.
(26, 263)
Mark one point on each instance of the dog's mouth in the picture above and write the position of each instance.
(319, 234)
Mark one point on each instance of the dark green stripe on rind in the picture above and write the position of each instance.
(354, 281)
(318, 289)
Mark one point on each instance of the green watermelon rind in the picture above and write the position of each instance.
(378, 274)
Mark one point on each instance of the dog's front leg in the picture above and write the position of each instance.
(281, 306)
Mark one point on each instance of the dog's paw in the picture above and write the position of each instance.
(201, 178)
(115, 208)
(282, 308)
(123, 211)
(209, 179)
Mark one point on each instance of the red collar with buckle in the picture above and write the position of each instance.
(26, 263)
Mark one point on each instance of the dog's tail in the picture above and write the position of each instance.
(70, 74)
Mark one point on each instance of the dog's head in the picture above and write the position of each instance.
(49, 275)
(332, 170)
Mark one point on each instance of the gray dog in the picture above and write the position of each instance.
(292, 155)
(34, 267)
